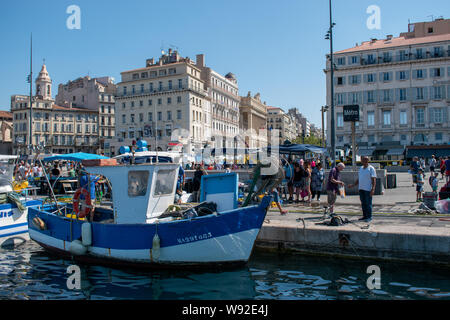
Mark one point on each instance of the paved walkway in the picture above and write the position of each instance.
(400, 200)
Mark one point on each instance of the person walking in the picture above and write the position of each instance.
(334, 181)
(317, 177)
(289, 177)
(442, 167)
(432, 164)
(414, 168)
(199, 172)
(447, 169)
(298, 180)
(419, 188)
(307, 187)
(366, 182)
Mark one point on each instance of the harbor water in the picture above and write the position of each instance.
(28, 272)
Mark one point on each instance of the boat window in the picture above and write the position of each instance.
(165, 180)
(6, 173)
(137, 183)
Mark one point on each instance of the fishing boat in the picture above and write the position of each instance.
(13, 206)
(144, 228)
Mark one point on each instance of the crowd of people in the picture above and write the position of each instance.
(418, 171)
(27, 171)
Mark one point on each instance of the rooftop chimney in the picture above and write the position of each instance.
(150, 62)
(200, 60)
(389, 37)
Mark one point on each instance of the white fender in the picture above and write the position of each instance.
(76, 248)
(156, 247)
(86, 234)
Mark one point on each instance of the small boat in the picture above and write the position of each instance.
(145, 228)
(13, 207)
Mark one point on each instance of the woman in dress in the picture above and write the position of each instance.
(317, 178)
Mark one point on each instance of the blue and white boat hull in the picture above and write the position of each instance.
(13, 223)
(224, 238)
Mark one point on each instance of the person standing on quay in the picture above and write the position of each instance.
(334, 181)
(366, 182)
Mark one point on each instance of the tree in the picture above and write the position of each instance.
(313, 140)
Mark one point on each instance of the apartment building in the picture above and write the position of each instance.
(97, 94)
(6, 132)
(402, 87)
(224, 94)
(253, 122)
(279, 120)
(304, 126)
(163, 103)
(59, 129)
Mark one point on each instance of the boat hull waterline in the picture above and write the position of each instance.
(225, 238)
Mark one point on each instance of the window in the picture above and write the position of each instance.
(419, 53)
(169, 100)
(402, 55)
(178, 99)
(386, 76)
(419, 74)
(141, 103)
(438, 136)
(178, 114)
(170, 84)
(370, 78)
(137, 183)
(370, 97)
(402, 75)
(142, 88)
(420, 116)
(419, 93)
(340, 98)
(437, 93)
(354, 79)
(133, 89)
(159, 116)
(123, 105)
(162, 72)
(386, 95)
(150, 102)
(169, 115)
(341, 61)
(340, 120)
(164, 182)
(132, 104)
(124, 118)
(354, 59)
(141, 117)
(403, 117)
(370, 118)
(160, 87)
(150, 116)
(340, 81)
(402, 93)
(150, 87)
(437, 115)
(355, 96)
(436, 72)
(132, 118)
(180, 83)
(159, 101)
(387, 117)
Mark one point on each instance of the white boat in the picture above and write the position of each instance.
(138, 230)
(13, 221)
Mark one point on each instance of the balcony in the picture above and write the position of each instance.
(161, 90)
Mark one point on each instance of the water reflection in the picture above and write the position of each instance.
(27, 272)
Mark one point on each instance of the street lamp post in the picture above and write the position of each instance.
(323, 110)
(329, 36)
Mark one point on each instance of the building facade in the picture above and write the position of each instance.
(6, 127)
(279, 120)
(253, 121)
(57, 128)
(96, 94)
(402, 87)
(223, 92)
(304, 126)
(163, 103)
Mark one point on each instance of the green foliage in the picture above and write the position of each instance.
(313, 140)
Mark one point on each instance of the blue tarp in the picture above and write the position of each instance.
(79, 156)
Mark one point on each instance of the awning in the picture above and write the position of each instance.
(395, 152)
(365, 152)
(427, 153)
(79, 156)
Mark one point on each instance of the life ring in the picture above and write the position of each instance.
(86, 203)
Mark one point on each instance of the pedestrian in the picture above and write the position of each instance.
(414, 169)
(366, 181)
(432, 164)
(199, 172)
(333, 184)
(289, 177)
(434, 181)
(422, 163)
(317, 177)
(447, 169)
(419, 186)
(442, 167)
(298, 180)
(87, 182)
(307, 188)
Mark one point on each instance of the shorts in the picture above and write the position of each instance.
(447, 172)
(431, 169)
(419, 188)
(414, 176)
(276, 197)
(332, 195)
(434, 189)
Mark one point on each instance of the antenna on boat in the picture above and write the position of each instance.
(156, 133)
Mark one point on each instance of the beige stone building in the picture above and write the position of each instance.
(59, 129)
(253, 121)
(164, 103)
(402, 87)
(6, 132)
(97, 94)
(224, 94)
(279, 120)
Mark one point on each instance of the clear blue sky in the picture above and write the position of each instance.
(273, 47)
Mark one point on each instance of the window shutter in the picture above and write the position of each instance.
(407, 74)
(442, 71)
(397, 75)
(358, 78)
(425, 93)
(381, 76)
(366, 97)
(414, 75)
(443, 93)
(424, 73)
(430, 115)
(397, 95)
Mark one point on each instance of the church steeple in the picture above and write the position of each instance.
(44, 84)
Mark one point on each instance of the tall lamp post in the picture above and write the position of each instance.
(329, 36)
(323, 110)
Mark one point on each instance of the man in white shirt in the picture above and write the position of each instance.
(367, 179)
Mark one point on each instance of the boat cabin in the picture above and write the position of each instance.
(7, 164)
(140, 192)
